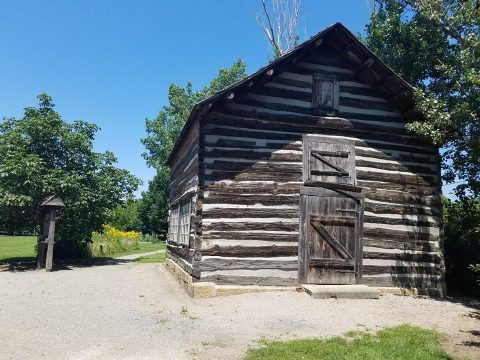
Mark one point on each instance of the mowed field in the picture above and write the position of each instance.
(22, 249)
(17, 248)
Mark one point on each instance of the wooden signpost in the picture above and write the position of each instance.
(48, 210)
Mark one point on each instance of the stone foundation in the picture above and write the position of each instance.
(202, 289)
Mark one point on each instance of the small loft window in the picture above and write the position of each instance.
(325, 94)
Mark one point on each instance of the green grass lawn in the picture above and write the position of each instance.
(17, 248)
(22, 248)
(402, 342)
(155, 258)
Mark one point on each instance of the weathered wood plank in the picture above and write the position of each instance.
(214, 198)
(251, 176)
(332, 263)
(252, 154)
(397, 156)
(249, 213)
(250, 280)
(395, 167)
(400, 209)
(400, 197)
(414, 190)
(397, 234)
(403, 281)
(251, 251)
(257, 187)
(421, 180)
(390, 221)
(253, 166)
(376, 270)
(231, 235)
(406, 256)
(400, 244)
(212, 264)
(333, 220)
(245, 226)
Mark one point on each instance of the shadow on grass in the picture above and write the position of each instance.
(29, 264)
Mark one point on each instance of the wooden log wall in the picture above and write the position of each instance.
(251, 170)
(184, 187)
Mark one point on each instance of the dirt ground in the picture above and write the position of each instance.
(135, 311)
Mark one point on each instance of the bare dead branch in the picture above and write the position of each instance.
(280, 23)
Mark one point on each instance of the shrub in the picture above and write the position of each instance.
(112, 241)
(462, 245)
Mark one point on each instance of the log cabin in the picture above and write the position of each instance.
(304, 173)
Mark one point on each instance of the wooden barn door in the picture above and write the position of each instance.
(331, 214)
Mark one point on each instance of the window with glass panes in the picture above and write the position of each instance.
(179, 229)
(174, 218)
(184, 231)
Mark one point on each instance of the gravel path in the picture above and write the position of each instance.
(137, 311)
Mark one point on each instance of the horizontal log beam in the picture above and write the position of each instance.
(400, 209)
(377, 270)
(247, 264)
(400, 244)
(246, 226)
(250, 280)
(406, 256)
(423, 282)
(230, 235)
(249, 213)
(251, 251)
(397, 234)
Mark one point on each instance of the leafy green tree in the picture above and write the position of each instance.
(163, 131)
(42, 155)
(126, 217)
(462, 244)
(154, 209)
(435, 45)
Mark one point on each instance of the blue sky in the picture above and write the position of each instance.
(111, 62)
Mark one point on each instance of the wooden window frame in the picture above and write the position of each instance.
(184, 225)
(173, 224)
(316, 108)
(180, 222)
